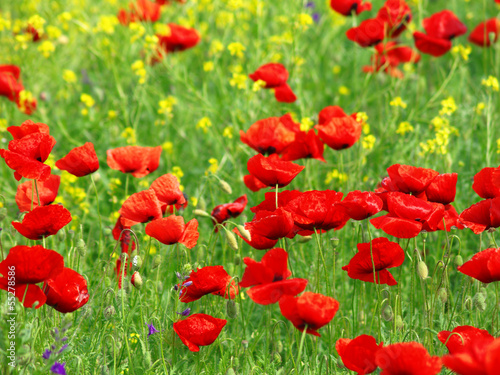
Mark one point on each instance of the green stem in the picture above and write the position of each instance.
(98, 212)
(302, 339)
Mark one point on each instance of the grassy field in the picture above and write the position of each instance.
(94, 82)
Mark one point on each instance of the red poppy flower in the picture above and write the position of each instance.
(388, 56)
(272, 171)
(141, 10)
(487, 183)
(199, 330)
(409, 179)
(180, 38)
(318, 210)
(269, 202)
(479, 357)
(369, 32)
(311, 309)
(484, 266)
(275, 76)
(407, 215)
(47, 193)
(442, 189)
(430, 44)
(168, 191)
(27, 154)
(10, 84)
(252, 183)
(463, 337)
(124, 236)
(360, 205)
(451, 219)
(395, 15)
(32, 265)
(336, 129)
(307, 145)
(385, 254)
(43, 221)
(481, 216)
(80, 161)
(409, 358)
(224, 212)
(67, 291)
(171, 229)
(207, 280)
(28, 127)
(359, 353)
(486, 33)
(348, 7)
(140, 207)
(272, 224)
(256, 241)
(271, 135)
(268, 278)
(139, 161)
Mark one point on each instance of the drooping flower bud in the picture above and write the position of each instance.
(244, 232)
(231, 240)
(231, 309)
(109, 312)
(442, 295)
(422, 270)
(136, 280)
(156, 261)
(305, 239)
(225, 187)
(199, 212)
(387, 313)
(480, 301)
(458, 260)
(136, 262)
(81, 247)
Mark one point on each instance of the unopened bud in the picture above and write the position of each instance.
(136, 280)
(387, 313)
(231, 309)
(459, 261)
(278, 346)
(109, 312)
(479, 302)
(442, 295)
(225, 187)
(335, 242)
(156, 261)
(3, 213)
(61, 235)
(108, 295)
(237, 260)
(187, 268)
(231, 240)
(81, 247)
(71, 234)
(136, 262)
(245, 233)
(399, 322)
(422, 270)
(468, 303)
(203, 213)
(305, 239)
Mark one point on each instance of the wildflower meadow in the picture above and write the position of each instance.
(249, 187)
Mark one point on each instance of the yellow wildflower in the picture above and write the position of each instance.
(168, 147)
(69, 76)
(215, 47)
(498, 146)
(228, 132)
(304, 20)
(448, 106)
(87, 100)
(491, 82)
(368, 142)
(177, 172)
(138, 30)
(344, 90)
(305, 124)
(404, 127)
(112, 114)
(129, 134)
(46, 48)
(53, 32)
(194, 201)
(335, 175)
(479, 108)
(167, 106)
(208, 66)
(239, 80)
(214, 165)
(336, 69)
(236, 49)
(204, 124)
(462, 51)
(258, 85)
(398, 102)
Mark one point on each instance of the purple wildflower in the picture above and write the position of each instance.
(46, 354)
(63, 348)
(185, 312)
(151, 329)
(310, 4)
(315, 17)
(58, 368)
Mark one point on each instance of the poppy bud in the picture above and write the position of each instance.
(387, 313)
(109, 312)
(442, 295)
(61, 235)
(386, 294)
(136, 280)
(136, 262)
(422, 270)
(335, 242)
(237, 260)
(199, 212)
(156, 261)
(231, 240)
(399, 322)
(108, 295)
(225, 187)
(71, 234)
(459, 260)
(231, 309)
(278, 346)
(304, 239)
(468, 303)
(81, 247)
(480, 301)
(244, 232)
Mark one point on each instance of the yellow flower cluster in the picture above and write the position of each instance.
(106, 24)
(491, 82)
(448, 106)
(129, 135)
(166, 106)
(228, 132)
(305, 124)
(462, 51)
(214, 165)
(204, 124)
(335, 175)
(398, 102)
(404, 127)
(69, 76)
(439, 145)
(258, 85)
(239, 80)
(139, 70)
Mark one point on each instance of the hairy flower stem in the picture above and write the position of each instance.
(98, 213)
(302, 339)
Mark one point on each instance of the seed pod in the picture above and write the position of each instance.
(244, 232)
(226, 188)
(424, 234)
(81, 247)
(422, 270)
(136, 280)
(335, 242)
(442, 295)
(387, 313)
(156, 261)
(109, 312)
(458, 260)
(231, 240)
(231, 309)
